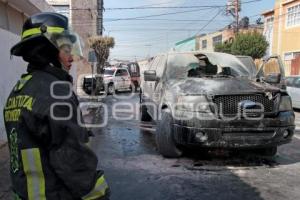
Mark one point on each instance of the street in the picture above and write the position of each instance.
(134, 169)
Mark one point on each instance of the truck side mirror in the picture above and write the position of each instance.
(150, 75)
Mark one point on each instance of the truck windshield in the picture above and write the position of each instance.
(109, 72)
(214, 65)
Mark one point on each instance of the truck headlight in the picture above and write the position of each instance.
(192, 104)
(285, 104)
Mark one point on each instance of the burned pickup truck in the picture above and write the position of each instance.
(216, 100)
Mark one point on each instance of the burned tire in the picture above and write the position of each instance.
(145, 117)
(164, 136)
(269, 152)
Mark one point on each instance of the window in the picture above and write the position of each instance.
(289, 81)
(161, 66)
(3, 16)
(155, 63)
(293, 16)
(204, 44)
(217, 40)
(297, 83)
(291, 55)
(122, 72)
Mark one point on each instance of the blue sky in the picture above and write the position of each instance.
(137, 39)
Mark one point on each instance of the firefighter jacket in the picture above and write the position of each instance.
(48, 152)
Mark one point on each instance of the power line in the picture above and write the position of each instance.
(164, 7)
(157, 15)
(210, 21)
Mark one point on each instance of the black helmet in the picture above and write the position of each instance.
(42, 36)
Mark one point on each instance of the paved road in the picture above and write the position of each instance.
(136, 171)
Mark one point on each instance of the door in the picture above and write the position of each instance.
(295, 66)
(126, 79)
(148, 94)
(272, 69)
(118, 81)
(159, 85)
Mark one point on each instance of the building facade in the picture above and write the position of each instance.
(207, 42)
(282, 30)
(82, 16)
(13, 13)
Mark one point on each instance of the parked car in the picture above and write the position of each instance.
(293, 89)
(89, 84)
(214, 100)
(116, 79)
(134, 71)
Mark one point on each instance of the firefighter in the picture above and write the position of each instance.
(49, 156)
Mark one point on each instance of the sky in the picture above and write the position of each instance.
(141, 33)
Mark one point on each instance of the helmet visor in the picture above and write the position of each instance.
(67, 41)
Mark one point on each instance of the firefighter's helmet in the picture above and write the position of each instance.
(44, 34)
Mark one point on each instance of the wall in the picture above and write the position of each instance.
(84, 22)
(285, 39)
(10, 70)
(12, 16)
(209, 38)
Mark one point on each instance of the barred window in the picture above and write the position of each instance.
(204, 44)
(217, 40)
(293, 16)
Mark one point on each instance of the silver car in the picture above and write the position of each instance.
(293, 89)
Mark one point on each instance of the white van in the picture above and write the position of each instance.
(117, 79)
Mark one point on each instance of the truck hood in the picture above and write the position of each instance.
(219, 86)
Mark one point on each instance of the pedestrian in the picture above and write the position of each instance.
(48, 153)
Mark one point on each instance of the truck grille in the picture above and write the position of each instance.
(229, 104)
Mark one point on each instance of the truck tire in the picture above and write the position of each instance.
(145, 117)
(164, 136)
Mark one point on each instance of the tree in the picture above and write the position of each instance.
(250, 44)
(102, 46)
(224, 47)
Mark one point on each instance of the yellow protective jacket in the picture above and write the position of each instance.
(48, 152)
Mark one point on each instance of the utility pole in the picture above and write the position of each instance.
(237, 7)
(100, 9)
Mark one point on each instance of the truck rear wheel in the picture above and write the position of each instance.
(164, 136)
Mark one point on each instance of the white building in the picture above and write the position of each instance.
(12, 15)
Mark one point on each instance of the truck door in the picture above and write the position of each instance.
(272, 71)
